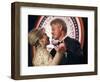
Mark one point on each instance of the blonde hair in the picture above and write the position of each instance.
(34, 35)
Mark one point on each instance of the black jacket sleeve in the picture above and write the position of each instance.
(74, 51)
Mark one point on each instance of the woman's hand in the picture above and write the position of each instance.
(61, 48)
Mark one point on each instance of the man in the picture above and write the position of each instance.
(71, 48)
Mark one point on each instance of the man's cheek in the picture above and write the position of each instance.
(55, 34)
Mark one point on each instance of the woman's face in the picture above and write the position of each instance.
(45, 39)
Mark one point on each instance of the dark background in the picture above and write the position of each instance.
(32, 21)
(85, 46)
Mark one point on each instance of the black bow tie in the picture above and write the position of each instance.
(59, 42)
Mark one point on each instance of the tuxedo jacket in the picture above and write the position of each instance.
(73, 54)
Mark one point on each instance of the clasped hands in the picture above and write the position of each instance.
(60, 48)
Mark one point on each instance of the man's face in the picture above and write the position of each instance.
(56, 31)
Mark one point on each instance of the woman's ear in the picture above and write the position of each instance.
(41, 42)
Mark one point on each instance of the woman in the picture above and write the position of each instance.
(39, 40)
